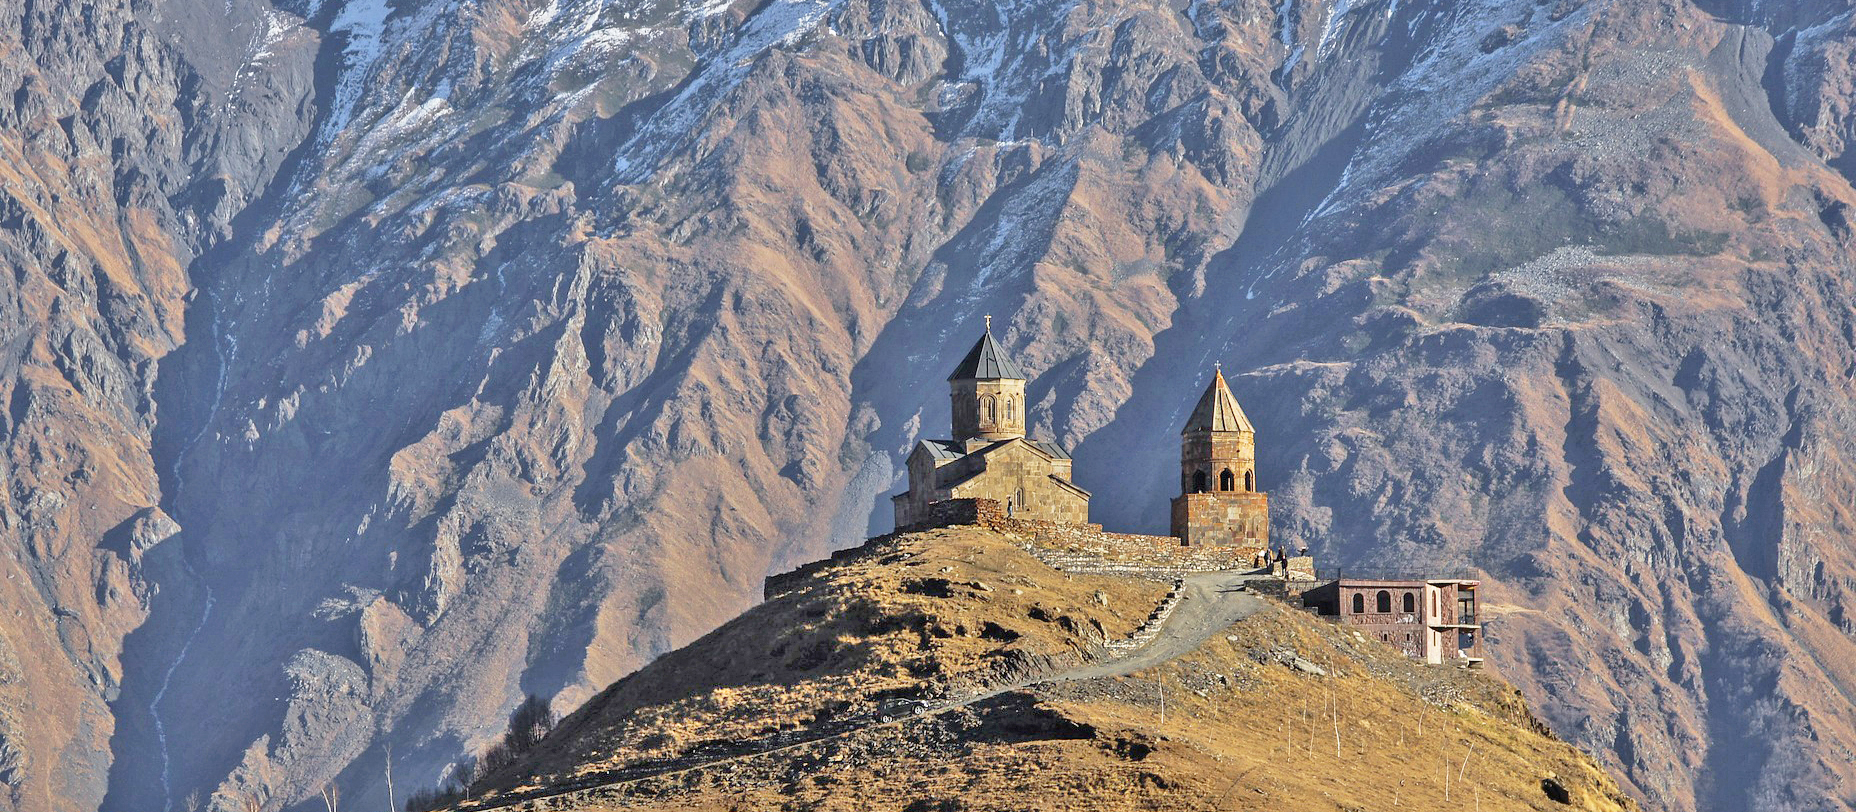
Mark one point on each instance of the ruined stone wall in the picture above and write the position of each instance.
(990, 514)
(782, 582)
(951, 512)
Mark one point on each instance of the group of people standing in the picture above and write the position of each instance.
(1276, 557)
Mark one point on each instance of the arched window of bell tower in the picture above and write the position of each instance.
(1198, 481)
(989, 409)
(1227, 482)
(1011, 410)
(1249, 484)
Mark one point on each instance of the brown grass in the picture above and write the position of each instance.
(928, 615)
(1238, 730)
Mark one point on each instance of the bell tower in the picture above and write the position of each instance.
(988, 393)
(1219, 502)
(1218, 447)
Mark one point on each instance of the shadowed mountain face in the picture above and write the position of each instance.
(370, 364)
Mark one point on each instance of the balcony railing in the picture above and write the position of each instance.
(1393, 574)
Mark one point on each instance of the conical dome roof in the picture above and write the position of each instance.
(985, 362)
(1217, 410)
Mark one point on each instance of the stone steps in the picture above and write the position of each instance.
(1151, 628)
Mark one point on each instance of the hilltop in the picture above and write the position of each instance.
(952, 670)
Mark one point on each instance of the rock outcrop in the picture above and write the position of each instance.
(129, 141)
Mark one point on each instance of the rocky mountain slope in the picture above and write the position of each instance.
(130, 143)
(950, 670)
(373, 364)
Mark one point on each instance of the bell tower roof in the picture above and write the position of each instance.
(1217, 410)
(986, 362)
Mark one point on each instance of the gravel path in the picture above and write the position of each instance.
(1210, 603)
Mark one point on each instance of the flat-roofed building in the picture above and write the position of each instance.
(1431, 619)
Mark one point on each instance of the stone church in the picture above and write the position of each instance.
(989, 456)
(989, 459)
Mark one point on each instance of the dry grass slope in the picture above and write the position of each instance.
(948, 613)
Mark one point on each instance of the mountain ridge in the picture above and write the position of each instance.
(359, 324)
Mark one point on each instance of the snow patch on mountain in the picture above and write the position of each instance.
(1023, 229)
(778, 24)
(590, 29)
(364, 24)
(1796, 73)
(1449, 76)
(1337, 17)
(993, 73)
(706, 8)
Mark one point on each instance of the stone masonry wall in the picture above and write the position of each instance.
(1067, 546)
(1018, 473)
(1232, 518)
(1082, 547)
(1210, 453)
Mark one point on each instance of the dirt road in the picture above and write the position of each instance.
(1209, 604)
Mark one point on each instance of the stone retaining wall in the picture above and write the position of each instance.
(1087, 547)
(1083, 548)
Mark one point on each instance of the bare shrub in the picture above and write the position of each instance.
(529, 723)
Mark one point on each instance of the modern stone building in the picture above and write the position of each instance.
(1219, 503)
(1433, 620)
(989, 456)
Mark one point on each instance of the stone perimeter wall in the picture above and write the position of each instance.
(990, 514)
(1087, 547)
(1068, 547)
